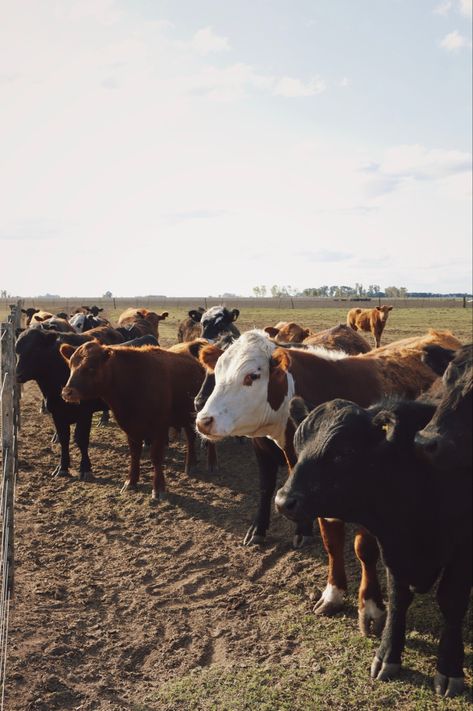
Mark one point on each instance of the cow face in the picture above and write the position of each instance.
(85, 322)
(93, 310)
(34, 348)
(29, 313)
(447, 439)
(383, 312)
(196, 314)
(88, 364)
(331, 444)
(251, 389)
(216, 321)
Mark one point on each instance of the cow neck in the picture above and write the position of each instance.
(120, 389)
(52, 380)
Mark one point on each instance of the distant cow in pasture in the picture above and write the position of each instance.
(142, 320)
(148, 390)
(364, 466)
(288, 332)
(254, 383)
(190, 328)
(85, 322)
(369, 320)
(219, 321)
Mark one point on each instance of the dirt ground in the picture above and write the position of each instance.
(115, 595)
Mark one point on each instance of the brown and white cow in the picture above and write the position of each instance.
(369, 320)
(254, 383)
(288, 332)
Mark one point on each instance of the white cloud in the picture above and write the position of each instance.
(206, 40)
(466, 7)
(444, 8)
(291, 87)
(344, 82)
(454, 41)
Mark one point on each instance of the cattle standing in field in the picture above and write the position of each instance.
(254, 383)
(142, 320)
(85, 322)
(339, 338)
(148, 390)
(219, 321)
(369, 320)
(288, 332)
(36, 316)
(362, 466)
(190, 328)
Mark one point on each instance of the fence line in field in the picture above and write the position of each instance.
(10, 423)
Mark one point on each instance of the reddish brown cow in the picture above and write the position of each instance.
(148, 390)
(288, 332)
(339, 338)
(369, 320)
(144, 321)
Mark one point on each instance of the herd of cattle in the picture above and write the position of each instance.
(381, 438)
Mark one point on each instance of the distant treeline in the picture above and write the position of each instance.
(350, 292)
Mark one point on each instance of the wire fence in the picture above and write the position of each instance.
(10, 423)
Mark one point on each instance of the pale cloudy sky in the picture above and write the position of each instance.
(193, 148)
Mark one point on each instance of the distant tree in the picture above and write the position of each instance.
(259, 290)
(391, 292)
(107, 295)
(4, 294)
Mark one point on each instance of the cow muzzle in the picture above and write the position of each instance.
(289, 504)
(70, 394)
(204, 425)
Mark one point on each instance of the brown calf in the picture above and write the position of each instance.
(148, 390)
(145, 322)
(369, 320)
(288, 332)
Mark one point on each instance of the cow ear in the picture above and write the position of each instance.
(209, 356)
(66, 351)
(164, 315)
(271, 331)
(390, 308)
(23, 311)
(437, 358)
(386, 421)
(378, 308)
(99, 310)
(298, 410)
(195, 347)
(277, 382)
(235, 313)
(306, 332)
(280, 359)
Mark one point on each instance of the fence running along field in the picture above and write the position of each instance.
(10, 423)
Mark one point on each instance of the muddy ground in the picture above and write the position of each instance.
(115, 595)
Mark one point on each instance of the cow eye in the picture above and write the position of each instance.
(250, 377)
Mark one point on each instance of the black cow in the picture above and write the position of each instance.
(218, 321)
(447, 440)
(361, 465)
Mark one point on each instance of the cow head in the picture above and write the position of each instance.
(94, 310)
(34, 348)
(288, 332)
(446, 441)
(216, 321)
(383, 312)
(252, 383)
(196, 314)
(29, 313)
(88, 365)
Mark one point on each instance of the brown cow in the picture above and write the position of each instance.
(148, 390)
(288, 332)
(339, 338)
(369, 320)
(190, 328)
(144, 321)
(254, 383)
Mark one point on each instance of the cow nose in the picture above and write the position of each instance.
(286, 503)
(204, 424)
(428, 445)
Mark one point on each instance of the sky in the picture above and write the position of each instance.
(199, 148)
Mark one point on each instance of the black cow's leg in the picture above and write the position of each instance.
(81, 437)
(267, 456)
(453, 595)
(64, 434)
(104, 418)
(135, 454)
(387, 661)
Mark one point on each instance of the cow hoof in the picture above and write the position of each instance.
(448, 686)
(103, 423)
(300, 541)
(159, 496)
(383, 671)
(127, 486)
(371, 619)
(54, 438)
(86, 476)
(59, 472)
(330, 602)
(252, 538)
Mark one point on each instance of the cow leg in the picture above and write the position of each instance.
(81, 438)
(387, 661)
(64, 435)
(371, 609)
(158, 447)
(43, 410)
(104, 418)
(268, 465)
(212, 459)
(135, 447)
(333, 537)
(453, 595)
(191, 458)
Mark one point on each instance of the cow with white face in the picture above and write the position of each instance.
(249, 399)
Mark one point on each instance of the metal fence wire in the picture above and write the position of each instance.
(9, 423)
